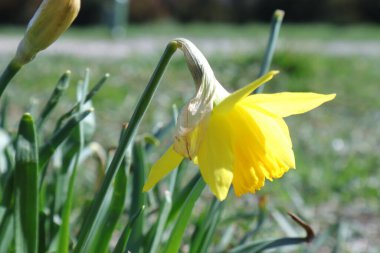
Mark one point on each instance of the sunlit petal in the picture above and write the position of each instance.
(231, 100)
(248, 172)
(254, 157)
(169, 161)
(215, 156)
(288, 103)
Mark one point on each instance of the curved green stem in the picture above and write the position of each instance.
(277, 18)
(125, 141)
(9, 72)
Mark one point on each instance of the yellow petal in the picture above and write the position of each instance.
(278, 145)
(215, 156)
(231, 100)
(169, 161)
(288, 103)
(262, 148)
(248, 172)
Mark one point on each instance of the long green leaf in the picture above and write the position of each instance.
(276, 22)
(8, 190)
(183, 219)
(159, 228)
(127, 137)
(206, 227)
(88, 97)
(178, 198)
(64, 231)
(121, 245)
(207, 239)
(96, 88)
(110, 211)
(110, 215)
(261, 216)
(75, 145)
(6, 230)
(60, 88)
(138, 197)
(255, 247)
(4, 112)
(51, 145)
(26, 187)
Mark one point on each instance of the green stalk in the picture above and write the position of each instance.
(176, 236)
(89, 96)
(64, 232)
(126, 140)
(6, 230)
(26, 188)
(277, 18)
(77, 144)
(138, 197)
(60, 88)
(7, 75)
(121, 245)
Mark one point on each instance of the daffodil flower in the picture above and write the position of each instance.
(239, 138)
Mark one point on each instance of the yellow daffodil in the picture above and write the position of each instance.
(237, 138)
(51, 19)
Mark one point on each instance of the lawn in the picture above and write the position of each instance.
(335, 186)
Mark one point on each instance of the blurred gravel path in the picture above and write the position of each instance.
(155, 45)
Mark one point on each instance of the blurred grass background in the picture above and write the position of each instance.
(337, 177)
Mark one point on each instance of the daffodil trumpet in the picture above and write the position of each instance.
(235, 139)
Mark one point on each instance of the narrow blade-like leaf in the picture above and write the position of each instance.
(138, 197)
(183, 219)
(60, 88)
(26, 187)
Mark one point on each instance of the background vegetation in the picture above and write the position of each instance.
(238, 11)
(335, 185)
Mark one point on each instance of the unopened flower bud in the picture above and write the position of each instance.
(51, 19)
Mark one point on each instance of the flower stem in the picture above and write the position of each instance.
(126, 139)
(9, 72)
(277, 18)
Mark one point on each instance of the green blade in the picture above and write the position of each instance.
(73, 149)
(253, 247)
(176, 236)
(121, 245)
(110, 214)
(138, 197)
(110, 211)
(125, 142)
(26, 187)
(6, 230)
(276, 22)
(88, 97)
(159, 228)
(178, 198)
(60, 88)
(4, 112)
(206, 227)
(51, 145)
